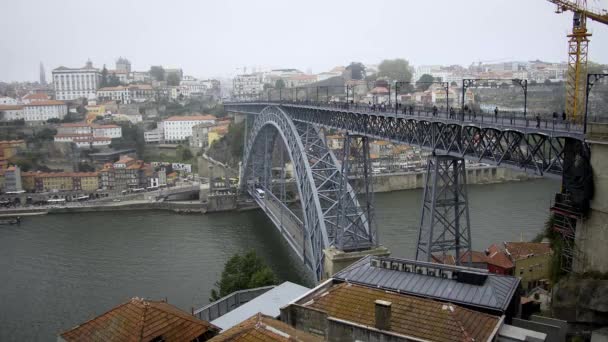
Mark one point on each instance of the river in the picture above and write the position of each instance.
(60, 270)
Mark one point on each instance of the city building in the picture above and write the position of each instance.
(126, 173)
(10, 112)
(300, 80)
(123, 64)
(60, 181)
(75, 83)
(247, 86)
(5, 100)
(179, 128)
(200, 135)
(12, 179)
(498, 261)
(86, 135)
(532, 262)
(126, 93)
(34, 97)
(43, 110)
(142, 320)
(8, 149)
(347, 311)
(155, 136)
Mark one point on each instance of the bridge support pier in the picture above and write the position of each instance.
(591, 236)
(444, 223)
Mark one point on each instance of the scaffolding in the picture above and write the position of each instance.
(565, 216)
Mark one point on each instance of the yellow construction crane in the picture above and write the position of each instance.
(578, 42)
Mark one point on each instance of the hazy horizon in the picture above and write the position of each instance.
(219, 39)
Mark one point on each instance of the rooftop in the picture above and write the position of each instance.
(264, 328)
(11, 107)
(36, 96)
(437, 281)
(268, 303)
(523, 250)
(410, 315)
(498, 257)
(192, 118)
(141, 320)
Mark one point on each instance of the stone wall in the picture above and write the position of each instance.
(406, 181)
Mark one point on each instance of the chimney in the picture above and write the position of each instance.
(383, 314)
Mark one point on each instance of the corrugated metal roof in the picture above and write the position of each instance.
(495, 293)
(268, 303)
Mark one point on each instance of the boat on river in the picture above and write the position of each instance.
(7, 221)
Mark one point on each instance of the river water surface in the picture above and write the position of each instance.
(57, 271)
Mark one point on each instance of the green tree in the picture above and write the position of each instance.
(395, 69)
(186, 154)
(357, 70)
(423, 82)
(113, 80)
(54, 120)
(104, 77)
(85, 167)
(279, 84)
(173, 79)
(243, 272)
(157, 73)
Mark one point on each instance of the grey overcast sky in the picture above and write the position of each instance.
(214, 38)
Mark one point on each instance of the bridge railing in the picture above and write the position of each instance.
(504, 119)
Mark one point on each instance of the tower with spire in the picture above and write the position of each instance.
(42, 74)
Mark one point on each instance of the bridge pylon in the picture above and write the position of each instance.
(444, 223)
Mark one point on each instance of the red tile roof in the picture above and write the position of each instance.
(36, 96)
(410, 316)
(75, 124)
(498, 257)
(476, 257)
(46, 103)
(192, 118)
(11, 107)
(523, 250)
(141, 320)
(264, 328)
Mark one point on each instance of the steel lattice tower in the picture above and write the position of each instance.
(444, 223)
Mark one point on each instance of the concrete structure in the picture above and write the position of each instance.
(155, 136)
(75, 83)
(126, 94)
(179, 128)
(86, 135)
(35, 111)
(200, 135)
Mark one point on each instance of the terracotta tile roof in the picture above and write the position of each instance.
(59, 174)
(75, 124)
(125, 160)
(141, 320)
(117, 88)
(11, 107)
(522, 250)
(264, 328)
(379, 90)
(411, 316)
(46, 103)
(36, 96)
(192, 118)
(498, 257)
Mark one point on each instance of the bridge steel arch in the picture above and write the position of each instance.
(318, 178)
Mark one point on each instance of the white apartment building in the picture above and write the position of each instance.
(300, 80)
(118, 93)
(83, 140)
(11, 112)
(107, 131)
(5, 100)
(179, 128)
(74, 128)
(44, 110)
(75, 83)
(155, 136)
(247, 86)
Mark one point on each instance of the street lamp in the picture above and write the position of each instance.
(591, 79)
(524, 85)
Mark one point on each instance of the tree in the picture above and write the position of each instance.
(279, 84)
(104, 77)
(85, 167)
(357, 70)
(157, 73)
(395, 69)
(424, 82)
(243, 272)
(54, 120)
(547, 82)
(267, 86)
(173, 79)
(113, 80)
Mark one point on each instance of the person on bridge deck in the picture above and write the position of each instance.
(537, 120)
(496, 114)
(411, 110)
(434, 110)
(564, 115)
(554, 116)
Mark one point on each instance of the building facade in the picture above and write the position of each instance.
(179, 128)
(75, 83)
(247, 86)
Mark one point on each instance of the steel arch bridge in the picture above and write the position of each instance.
(331, 214)
(537, 150)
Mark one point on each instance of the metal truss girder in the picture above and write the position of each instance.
(485, 142)
(316, 172)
